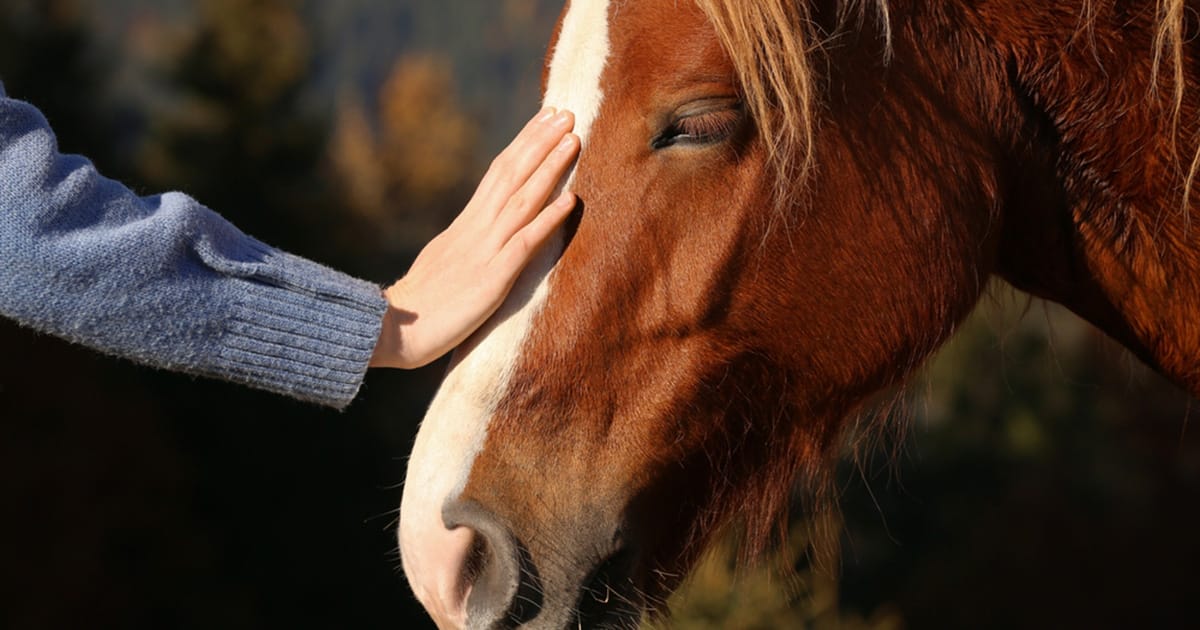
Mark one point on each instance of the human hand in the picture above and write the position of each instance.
(463, 275)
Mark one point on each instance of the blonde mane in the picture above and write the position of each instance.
(771, 42)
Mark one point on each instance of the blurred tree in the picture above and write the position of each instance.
(98, 530)
(354, 156)
(48, 57)
(142, 499)
(495, 48)
(1050, 482)
(519, 14)
(782, 591)
(427, 139)
(232, 130)
(400, 177)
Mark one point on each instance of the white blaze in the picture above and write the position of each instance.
(456, 425)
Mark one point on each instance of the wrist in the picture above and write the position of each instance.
(387, 348)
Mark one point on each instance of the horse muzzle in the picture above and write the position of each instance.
(476, 574)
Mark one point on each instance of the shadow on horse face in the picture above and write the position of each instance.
(692, 344)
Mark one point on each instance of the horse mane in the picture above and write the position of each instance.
(771, 45)
(1168, 43)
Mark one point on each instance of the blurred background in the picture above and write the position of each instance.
(1046, 479)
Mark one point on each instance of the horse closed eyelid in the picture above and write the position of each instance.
(700, 129)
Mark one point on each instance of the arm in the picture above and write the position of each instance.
(164, 281)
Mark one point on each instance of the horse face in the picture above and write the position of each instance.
(684, 346)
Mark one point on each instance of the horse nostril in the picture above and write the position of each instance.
(505, 588)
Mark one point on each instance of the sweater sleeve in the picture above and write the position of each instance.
(164, 281)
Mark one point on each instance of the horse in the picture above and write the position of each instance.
(785, 206)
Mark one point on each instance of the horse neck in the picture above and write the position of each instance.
(1093, 209)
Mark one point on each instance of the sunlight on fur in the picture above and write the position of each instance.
(770, 43)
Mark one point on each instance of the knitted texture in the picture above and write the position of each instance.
(164, 281)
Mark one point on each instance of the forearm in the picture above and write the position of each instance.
(167, 282)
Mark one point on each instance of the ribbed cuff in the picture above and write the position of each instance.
(303, 330)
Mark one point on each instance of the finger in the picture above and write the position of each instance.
(523, 206)
(529, 239)
(510, 170)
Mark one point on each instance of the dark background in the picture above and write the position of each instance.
(1047, 479)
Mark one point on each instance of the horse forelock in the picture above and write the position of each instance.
(772, 44)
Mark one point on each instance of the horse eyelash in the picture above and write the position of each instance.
(700, 129)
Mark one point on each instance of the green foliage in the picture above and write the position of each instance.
(780, 592)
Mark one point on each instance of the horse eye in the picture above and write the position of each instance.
(700, 129)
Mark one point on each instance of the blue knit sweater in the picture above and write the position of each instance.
(165, 281)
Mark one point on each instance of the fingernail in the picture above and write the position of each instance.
(546, 114)
(564, 199)
(562, 119)
(566, 144)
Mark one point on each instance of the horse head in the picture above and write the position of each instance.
(775, 223)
